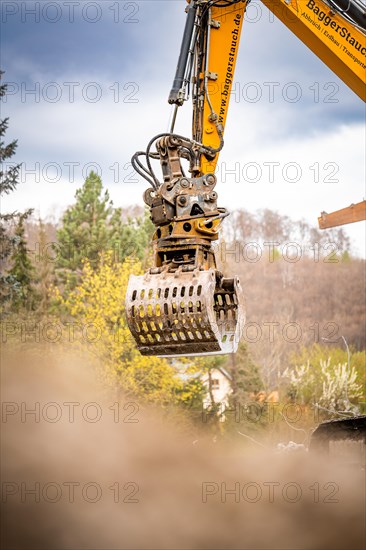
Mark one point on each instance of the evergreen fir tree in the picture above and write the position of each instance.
(131, 238)
(8, 182)
(22, 271)
(84, 232)
(8, 177)
(92, 226)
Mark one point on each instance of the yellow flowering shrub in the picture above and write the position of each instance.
(98, 304)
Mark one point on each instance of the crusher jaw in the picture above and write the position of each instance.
(183, 305)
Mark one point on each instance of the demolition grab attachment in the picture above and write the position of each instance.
(183, 305)
(184, 313)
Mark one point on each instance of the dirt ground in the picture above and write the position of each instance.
(84, 471)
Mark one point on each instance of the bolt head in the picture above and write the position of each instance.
(210, 179)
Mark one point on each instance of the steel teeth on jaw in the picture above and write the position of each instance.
(171, 315)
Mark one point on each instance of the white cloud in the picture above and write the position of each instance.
(108, 133)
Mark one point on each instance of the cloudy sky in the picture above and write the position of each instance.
(88, 86)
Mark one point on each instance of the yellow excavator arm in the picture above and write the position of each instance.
(337, 41)
(184, 305)
(350, 214)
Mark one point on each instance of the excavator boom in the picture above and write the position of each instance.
(350, 214)
(333, 30)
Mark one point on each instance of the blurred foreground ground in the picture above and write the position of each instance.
(86, 470)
